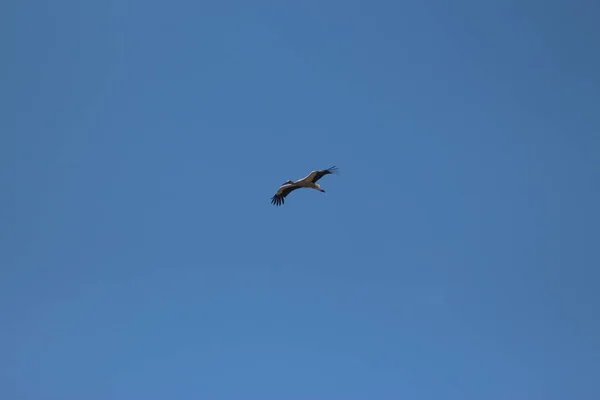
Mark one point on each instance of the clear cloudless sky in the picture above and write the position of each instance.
(455, 256)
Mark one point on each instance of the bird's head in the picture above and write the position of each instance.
(289, 182)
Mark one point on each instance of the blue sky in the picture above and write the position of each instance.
(455, 256)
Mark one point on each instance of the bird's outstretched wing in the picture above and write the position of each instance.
(279, 197)
(314, 176)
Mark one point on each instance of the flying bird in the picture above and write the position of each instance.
(309, 181)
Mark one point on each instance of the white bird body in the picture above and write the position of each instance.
(309, 181)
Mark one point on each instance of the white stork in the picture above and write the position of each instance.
(309, 181)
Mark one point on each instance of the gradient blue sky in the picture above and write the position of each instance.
(456, 256)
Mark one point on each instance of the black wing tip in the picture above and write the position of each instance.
(331, 170)
(277, 200)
